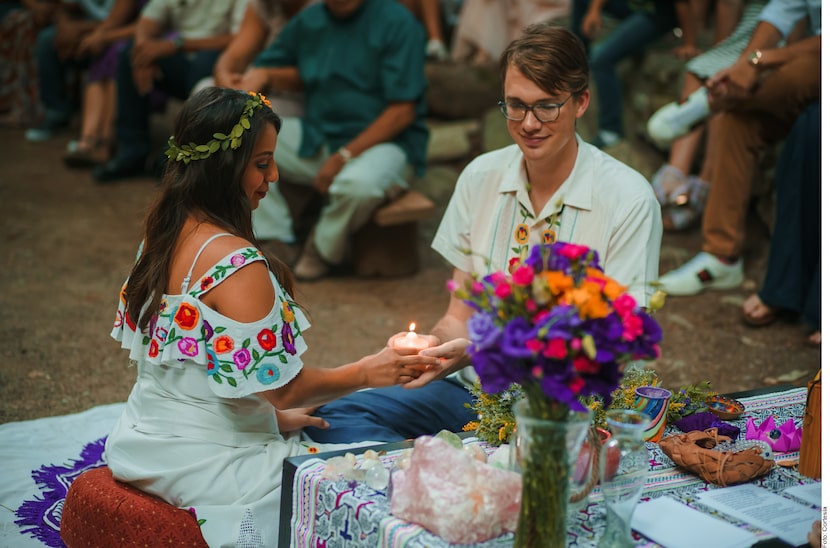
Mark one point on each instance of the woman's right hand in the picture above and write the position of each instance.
(390, 367)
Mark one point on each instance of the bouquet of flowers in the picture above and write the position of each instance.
(560, 329)
(557, 326)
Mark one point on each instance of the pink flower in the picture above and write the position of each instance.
(523, 275)
(576, 344)
(583, 364)
(498, 277)
(237, 260)
(632, 327)
(537, 371)
(624, 304)
(503, 290)
(477, 288)
(556, 349)
(452, 286)
(534, 345)
(573, 251)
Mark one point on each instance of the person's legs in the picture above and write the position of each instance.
(395, 413)
(360, 187)
(132, 114)
(272, 219)
(51, 86)
(629, 38)
(794, 254)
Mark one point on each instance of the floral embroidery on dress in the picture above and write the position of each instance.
(231, 352)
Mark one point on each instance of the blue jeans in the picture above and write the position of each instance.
(52, 74)
(395, 413)
(635, 31)
(179, 73)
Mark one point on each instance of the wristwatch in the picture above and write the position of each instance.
(754, 58)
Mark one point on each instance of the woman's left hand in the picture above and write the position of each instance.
(292, 420)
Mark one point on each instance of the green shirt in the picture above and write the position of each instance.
(352, 69)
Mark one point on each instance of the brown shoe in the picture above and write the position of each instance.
(311, 265)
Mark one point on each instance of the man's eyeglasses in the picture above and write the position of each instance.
(543, 112)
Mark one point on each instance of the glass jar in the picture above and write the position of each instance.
(623, 467)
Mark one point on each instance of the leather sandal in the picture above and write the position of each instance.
(751, 307)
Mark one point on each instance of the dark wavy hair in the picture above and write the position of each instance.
(209, 188)
(550, 56)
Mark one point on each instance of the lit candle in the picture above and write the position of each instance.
(411, 340)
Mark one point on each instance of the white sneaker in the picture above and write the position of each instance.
(437, 50)
(676, 119)
(704, 271)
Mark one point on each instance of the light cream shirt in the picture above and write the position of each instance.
(197, 18)
(603, 204)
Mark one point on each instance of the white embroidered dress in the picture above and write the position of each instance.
(194, 432)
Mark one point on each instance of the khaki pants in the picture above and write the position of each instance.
(736, 136)
(361, 186)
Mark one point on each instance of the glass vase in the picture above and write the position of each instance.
(544, 453)
(623, 466)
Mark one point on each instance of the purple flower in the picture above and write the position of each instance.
(188, 346)
(207, 330)
(288, 339)
(238, 260)
(242, 358)
(483, 332)
(516, 334)
(494, 371)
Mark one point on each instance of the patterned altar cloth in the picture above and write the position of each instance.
(335, 514)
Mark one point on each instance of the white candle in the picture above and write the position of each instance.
(411, 340)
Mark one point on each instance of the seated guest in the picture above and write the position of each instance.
(551, 185)
(216, 337)
(755, 102)
(262, 22)
(792, 284)
(176, 45)
(363, 129)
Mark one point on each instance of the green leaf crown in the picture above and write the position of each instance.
(191, 151)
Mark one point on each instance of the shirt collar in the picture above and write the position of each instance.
(575, 192)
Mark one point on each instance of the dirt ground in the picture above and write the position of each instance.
(67, 245)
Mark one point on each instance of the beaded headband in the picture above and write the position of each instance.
(191, 151)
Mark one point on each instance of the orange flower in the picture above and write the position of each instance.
(558, 282)
(287, 313)
(223, 344)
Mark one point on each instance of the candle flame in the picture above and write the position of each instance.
(412, 326)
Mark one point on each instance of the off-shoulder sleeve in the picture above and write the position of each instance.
(238, 358)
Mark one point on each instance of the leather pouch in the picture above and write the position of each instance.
(694, 452)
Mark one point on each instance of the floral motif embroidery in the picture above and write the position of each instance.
(288, 339)
(223, 344)
(186, 316)
(228, 359)
(522, 232)
(206, 283)
(267, 339)
(287, 313)
(267, 374)
(119, 319)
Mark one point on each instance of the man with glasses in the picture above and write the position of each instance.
(551, 185)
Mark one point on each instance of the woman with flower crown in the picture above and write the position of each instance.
(215, 335)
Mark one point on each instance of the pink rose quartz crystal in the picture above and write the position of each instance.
(454, 495)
